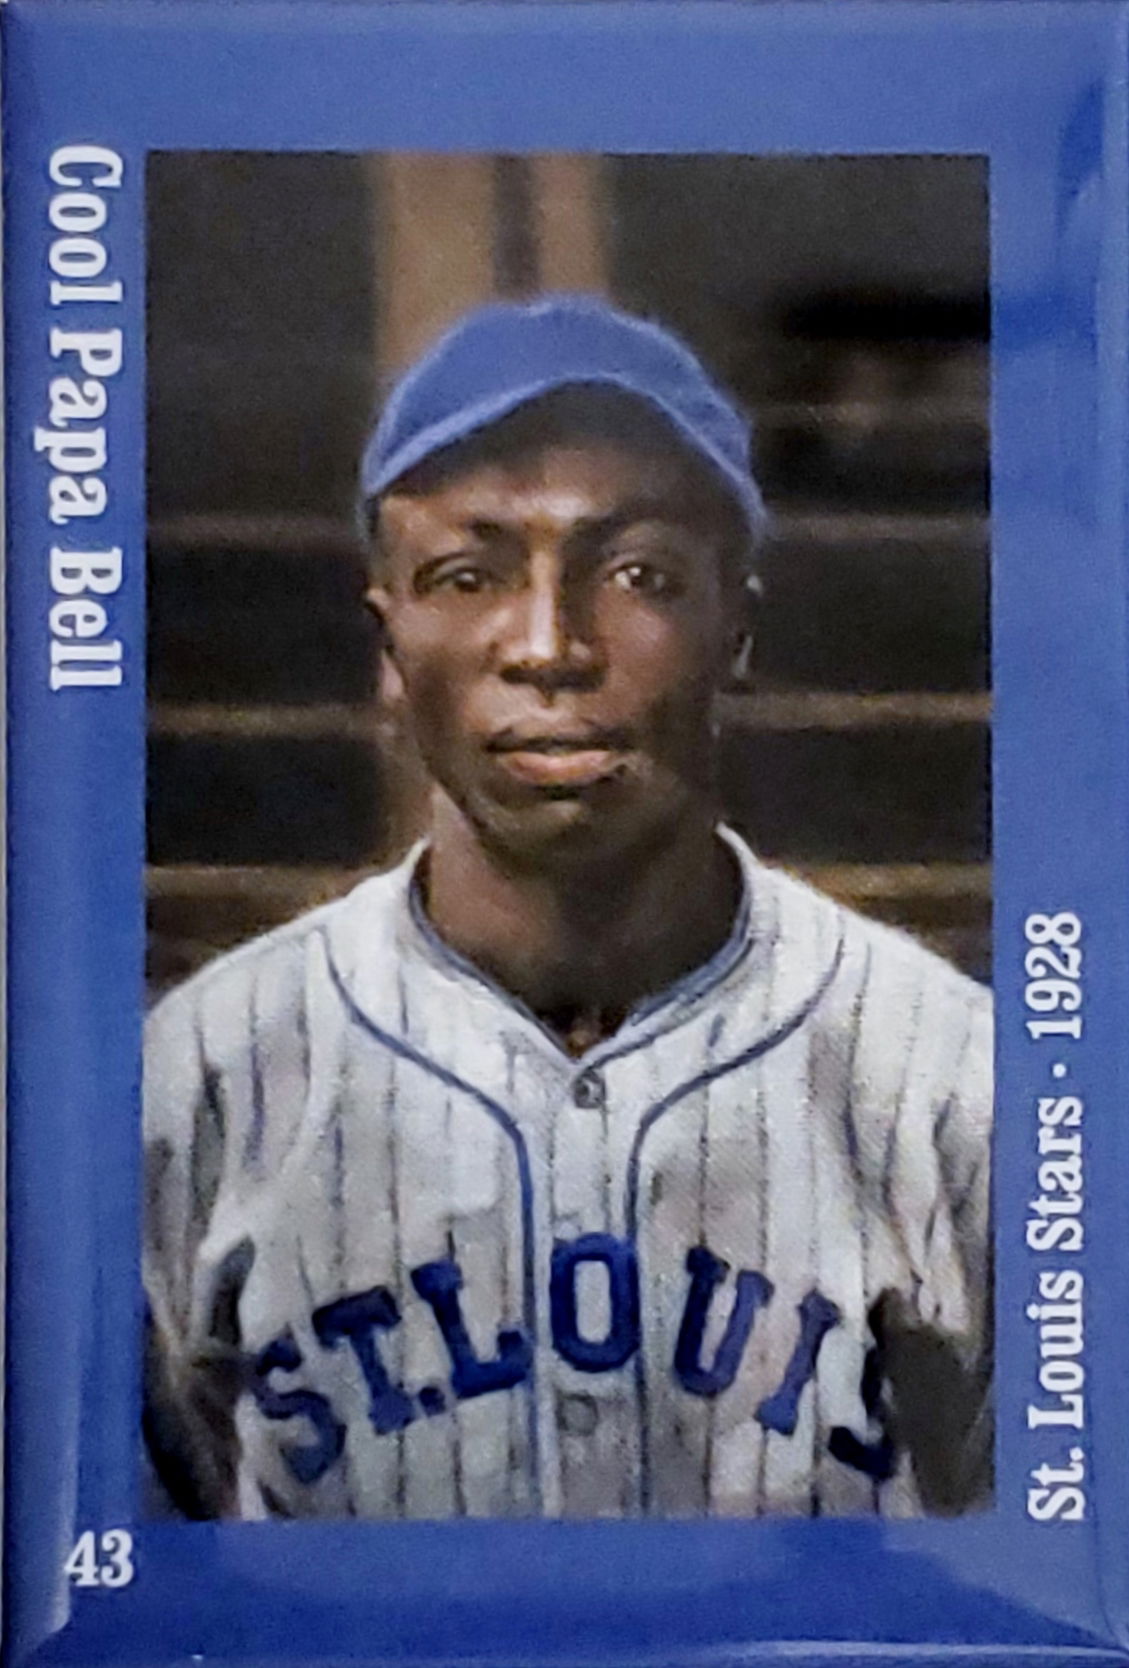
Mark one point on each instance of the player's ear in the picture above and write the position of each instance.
(390, 685)
(743, 639)
(376, 601)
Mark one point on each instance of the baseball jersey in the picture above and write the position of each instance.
(407, 1258)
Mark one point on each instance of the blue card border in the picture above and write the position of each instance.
(1039, 89)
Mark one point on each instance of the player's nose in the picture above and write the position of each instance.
(548, 639)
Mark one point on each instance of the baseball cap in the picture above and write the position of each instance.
(507, 354)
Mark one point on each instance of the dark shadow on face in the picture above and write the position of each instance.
(561, 597)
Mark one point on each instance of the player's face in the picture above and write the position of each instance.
(558, 623)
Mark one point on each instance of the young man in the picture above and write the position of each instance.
(581, 1165)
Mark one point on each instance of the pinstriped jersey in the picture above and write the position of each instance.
(407, 1258)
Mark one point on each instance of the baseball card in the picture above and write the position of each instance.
(567, 813)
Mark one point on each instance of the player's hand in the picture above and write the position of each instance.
(941, 1406)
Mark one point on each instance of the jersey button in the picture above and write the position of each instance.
(589, 1090)
(577, 1415)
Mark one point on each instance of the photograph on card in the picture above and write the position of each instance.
(568, 1073)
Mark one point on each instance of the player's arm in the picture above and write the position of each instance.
(940, 1378)
(190, 1384)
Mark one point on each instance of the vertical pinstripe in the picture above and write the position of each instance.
(506, 1287)
(252, 1150)
(704, 1134)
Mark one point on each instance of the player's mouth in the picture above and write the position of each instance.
(570, 760)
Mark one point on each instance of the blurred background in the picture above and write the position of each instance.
(844, 300)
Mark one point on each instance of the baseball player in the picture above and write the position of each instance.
(581, 1165)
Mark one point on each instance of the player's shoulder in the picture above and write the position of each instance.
(267, 977)
(907, 1020)
(884, 960)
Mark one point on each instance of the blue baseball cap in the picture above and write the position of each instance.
(507, 354)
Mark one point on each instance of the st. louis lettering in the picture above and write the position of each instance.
(439, 1284)
(357, 1320)
(876, 1459)
(595, 1355)
(361, 1322)
(707, 1272)
(817, 1316)
(308, 1461)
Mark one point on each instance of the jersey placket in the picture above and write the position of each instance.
(594, 1298)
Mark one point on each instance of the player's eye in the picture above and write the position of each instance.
(463, 576)
(645, 579)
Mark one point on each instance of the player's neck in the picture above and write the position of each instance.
(580, 950)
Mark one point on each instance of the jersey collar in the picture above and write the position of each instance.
(384, 919)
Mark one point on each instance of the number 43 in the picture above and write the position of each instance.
(116, 1569)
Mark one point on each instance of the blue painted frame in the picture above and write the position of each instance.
(1040, 88)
